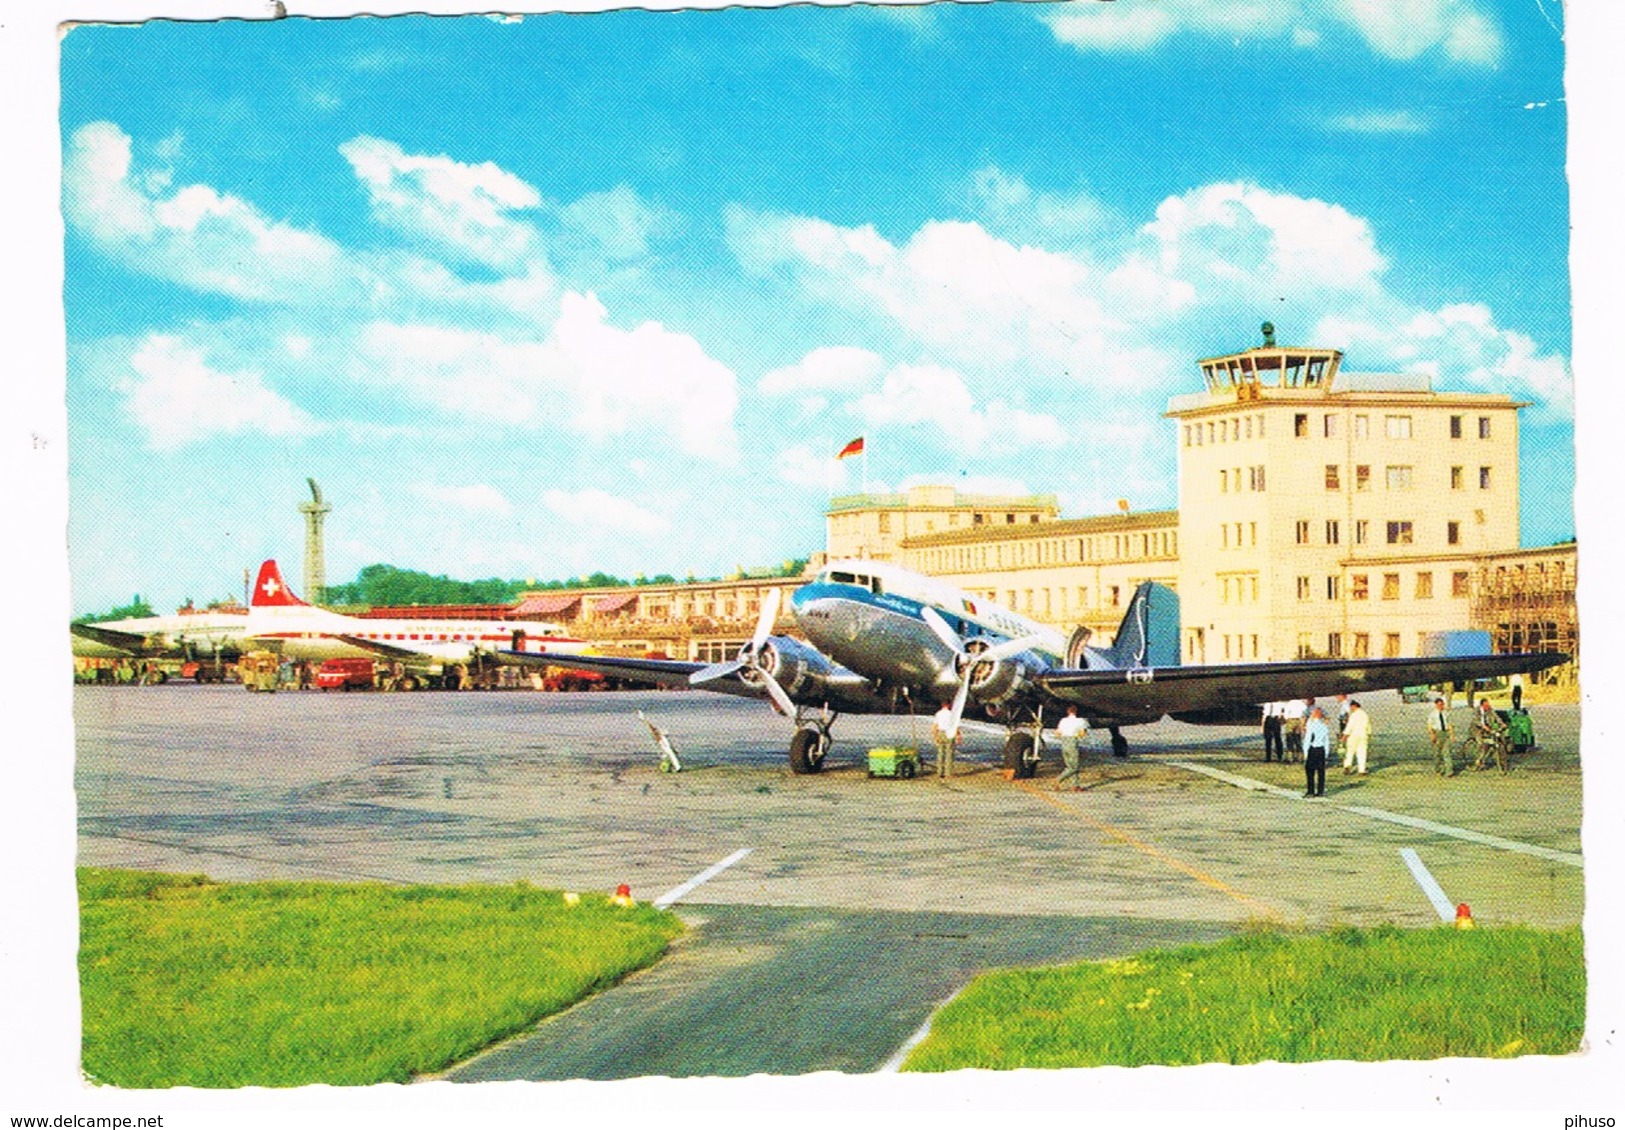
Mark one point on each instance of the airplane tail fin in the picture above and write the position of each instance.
(271, 591)
(1149, 633)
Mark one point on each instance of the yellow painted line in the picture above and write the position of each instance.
(1157, 853)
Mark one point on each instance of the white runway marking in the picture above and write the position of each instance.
(1430, 886)
(1570, 858)
(705, 876)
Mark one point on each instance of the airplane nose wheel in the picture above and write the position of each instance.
(808, 749)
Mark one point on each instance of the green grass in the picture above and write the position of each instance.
(188, 982)
(1373, 994)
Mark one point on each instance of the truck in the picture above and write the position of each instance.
(345, 674)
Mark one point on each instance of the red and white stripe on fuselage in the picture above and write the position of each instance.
(301, 631)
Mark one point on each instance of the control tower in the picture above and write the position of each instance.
(315, 511)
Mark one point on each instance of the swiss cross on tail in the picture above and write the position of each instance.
(271, 591)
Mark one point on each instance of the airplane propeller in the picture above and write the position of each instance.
(748, 658)
(968, 660)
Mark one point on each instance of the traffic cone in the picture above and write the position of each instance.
(623, 896)
(1464, 917)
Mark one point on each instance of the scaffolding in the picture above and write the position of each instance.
(1526, 602)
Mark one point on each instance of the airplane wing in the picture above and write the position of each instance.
(1149, 693)
(132, 642)
(652, 672)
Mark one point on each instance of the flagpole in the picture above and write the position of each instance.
(865, 464)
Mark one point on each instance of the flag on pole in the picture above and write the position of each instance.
(853, 448)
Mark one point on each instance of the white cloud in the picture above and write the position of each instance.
(936, 396)
(177, 398)
(596, 379)
(1461, 30)
(619, 221)
(832, 367)
(1381, 121)
(462, 208)
(1268, 243)
(198, 237)
(480, 498)
(601, 510)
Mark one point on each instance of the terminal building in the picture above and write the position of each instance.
(1322, 513)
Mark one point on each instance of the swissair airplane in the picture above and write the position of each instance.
(883, 640)
(279, 621)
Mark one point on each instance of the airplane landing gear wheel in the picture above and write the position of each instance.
(1119, 743)
(1018, 760)
(807, 751)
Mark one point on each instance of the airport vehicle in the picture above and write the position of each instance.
(346, 673)
(259, 671)
(884, 640)
(279, 621)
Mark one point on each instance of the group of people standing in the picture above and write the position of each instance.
(1299, 728)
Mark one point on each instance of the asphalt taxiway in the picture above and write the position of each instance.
(861, 904)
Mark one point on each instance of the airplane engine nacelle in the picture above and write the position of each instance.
(1240, 715)
(797, 668)
(993, 683)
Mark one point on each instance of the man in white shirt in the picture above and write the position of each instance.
(946, 735)
(1317, 739)
(1071, 731)
(1439, 733)
(1356, 737)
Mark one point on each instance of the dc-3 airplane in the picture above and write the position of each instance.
(883, 640)
(279, 621)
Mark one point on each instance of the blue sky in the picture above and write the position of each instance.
(607, 291)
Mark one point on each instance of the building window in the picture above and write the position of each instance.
(1399, 533)
(1455, 427)
(1330, 426)
(1224, 482)
(1362, 427)
(1306, 645)
(1424, 586)
(1362, 477)
(1334, 645)
(1252, 590)
(1300, 425)
(1399, 478)
(1187, 435)
(1483, 427)
(1261, 427)
(1333, 588)
(1452, 533)
(1361, 530)
(1483, 478)
(1210, 432)
(1305, 588)
(1252, 533)
(1117, 595)
(1399, 427)
(1249, 421)
(885, 523)
(1224, 535)
(1390, 586)
(1390, 645)
(1359, 586)
(1458, 583)
(1255, 647)
(1455, 478)
(1362, 645)
(1303, 532)
(1334, 532)
(1333, 477)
